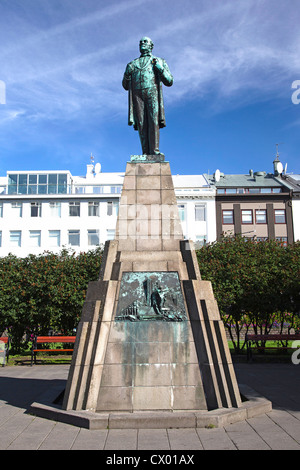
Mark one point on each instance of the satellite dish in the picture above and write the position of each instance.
(217, 175)
(97, 168)
(279, 168)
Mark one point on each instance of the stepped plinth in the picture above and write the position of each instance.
(150, 336)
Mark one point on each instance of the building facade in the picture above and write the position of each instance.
(294, 182)
(255, 205)
(46, 211)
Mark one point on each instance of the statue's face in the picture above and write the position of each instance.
(146, 45)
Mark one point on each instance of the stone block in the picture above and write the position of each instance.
(152, 375)
(152, 352)
(148, 182)
(169, 211)
(128, 196)
(189, 398)
(152, 398)
(101, 343)
(150, 196)
(148, 244)
(117, 375)
(130, 169)
(115, 399)
(180, 267)
(148, 169)
(169, 244)
(152, 420)
(118, 353)
(168, 196)
(149, 266)
(109, 301)
(126, 228)
(129, 182)
(127, 244)
(127, 211)
(184, 352)
(165, 168)
(186, 374)
(167, 182)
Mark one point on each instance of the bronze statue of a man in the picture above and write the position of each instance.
(143, 79)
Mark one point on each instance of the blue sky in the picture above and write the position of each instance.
(233, 62)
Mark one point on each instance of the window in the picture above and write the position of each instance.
(110, 234)
(115, 189)
(74, 209)
(181, 209)
(93, 237)
(15, 238)
(1, 209)
(247, 216)
(200, 241)
(230, 190)
(22, 184)
(282, 240)
(0, 237)
(254, 190)
(261, 239)
(227, 216)
(55, 209)
(74, 237)
(93, 209)
(42, 186)
(54, 238)
(261, 216)
(97, 189)
(112, 208)
(279, 216)
(32, 184)
(35, 238)
(36, 209)
(17, 209)
(200, 215)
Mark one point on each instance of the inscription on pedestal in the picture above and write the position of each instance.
(150, 296)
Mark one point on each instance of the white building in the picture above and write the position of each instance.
(294, 182)
(48, 210)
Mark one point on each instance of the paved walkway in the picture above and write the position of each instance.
(279, 429)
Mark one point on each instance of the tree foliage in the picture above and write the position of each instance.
(44, 292)
(255, 283)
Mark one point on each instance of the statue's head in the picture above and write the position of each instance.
(146, 45)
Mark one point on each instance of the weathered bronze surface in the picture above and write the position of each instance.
(143, 79)
(150, 296)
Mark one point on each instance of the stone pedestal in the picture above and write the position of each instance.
(150, 336)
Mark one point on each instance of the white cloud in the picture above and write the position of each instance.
(220, 48)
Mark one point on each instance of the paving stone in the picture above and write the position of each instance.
(244, 437)
(149, 439)
(13, 427)
(61, 437)
(184, 439)
(121, 439)
(215, 439)
(33, 436)
(288, 422)
(273, 434)
(88, 439)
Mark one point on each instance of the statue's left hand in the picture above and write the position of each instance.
(158, 64)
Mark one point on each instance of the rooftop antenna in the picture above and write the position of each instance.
(278, 167)
(92, 158)
(277, 153)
